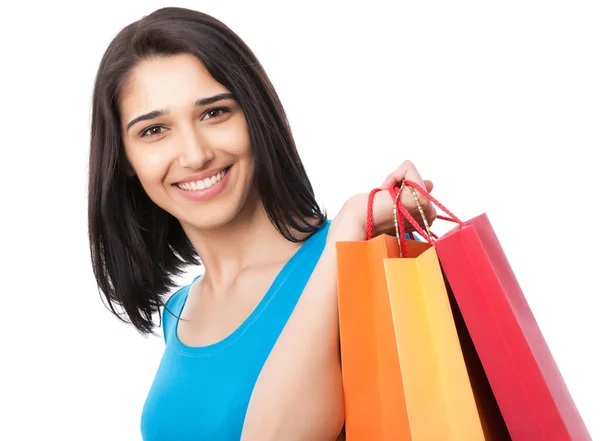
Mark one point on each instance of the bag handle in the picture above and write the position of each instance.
(399, 226)
(399, 221)
(433, 200)
(403, 213)
(428, 235)
(370, 210)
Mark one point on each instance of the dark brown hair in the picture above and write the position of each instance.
(136, 247)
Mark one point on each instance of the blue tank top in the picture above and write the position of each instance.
(202, 393)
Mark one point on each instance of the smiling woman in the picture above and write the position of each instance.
(192, 161)
(189, 150)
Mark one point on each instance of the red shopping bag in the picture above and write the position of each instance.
(525, 380)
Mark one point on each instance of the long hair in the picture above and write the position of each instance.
(136, 247)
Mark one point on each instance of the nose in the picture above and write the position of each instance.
(195, 150)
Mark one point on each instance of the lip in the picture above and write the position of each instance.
(203, 175)
(209, 193)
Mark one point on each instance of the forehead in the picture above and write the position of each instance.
(166, 82)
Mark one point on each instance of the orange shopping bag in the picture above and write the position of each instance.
(403, 371)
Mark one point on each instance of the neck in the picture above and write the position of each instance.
(250, 240)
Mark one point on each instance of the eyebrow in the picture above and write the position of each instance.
(199, 103)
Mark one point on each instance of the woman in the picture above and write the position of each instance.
(192, 160)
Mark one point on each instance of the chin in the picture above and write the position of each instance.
(214, 220)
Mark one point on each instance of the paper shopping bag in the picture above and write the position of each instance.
(524, 378)
(437, 391)
(526, 381)
(403, 373)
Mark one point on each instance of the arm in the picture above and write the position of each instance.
(303, 369)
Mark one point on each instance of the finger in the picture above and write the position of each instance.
(396, 176)
(406, 170)
(431, 214)
(412, 174)
(408, 197)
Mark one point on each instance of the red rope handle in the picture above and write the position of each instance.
(403, 212)
(435, 202)
(370, 213)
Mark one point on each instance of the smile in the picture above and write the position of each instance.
(203, 184)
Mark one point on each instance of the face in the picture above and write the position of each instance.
(193, 159)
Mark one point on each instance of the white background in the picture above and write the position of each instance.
(498, 104)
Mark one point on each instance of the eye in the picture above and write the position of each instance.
(212, 112)
(151, 131)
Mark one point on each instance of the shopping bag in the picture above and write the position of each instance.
(524, 378)
(404, 377)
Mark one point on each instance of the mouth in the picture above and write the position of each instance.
(203, 184)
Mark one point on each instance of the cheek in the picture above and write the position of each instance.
(236, 139)
(150, 167)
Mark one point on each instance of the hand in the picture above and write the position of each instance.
(351, 222)
(408, 171)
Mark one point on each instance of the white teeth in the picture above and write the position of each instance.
(202, 184)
